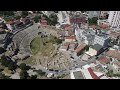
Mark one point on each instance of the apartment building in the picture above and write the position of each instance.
(114, 19)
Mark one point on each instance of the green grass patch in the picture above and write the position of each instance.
(42, 45)
(35, 45)
(30, 61)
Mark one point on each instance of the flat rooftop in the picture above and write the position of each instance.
(78, 75)
(103, 35)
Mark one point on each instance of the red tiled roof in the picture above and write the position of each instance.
(103, 60)
(66, 44)
(113, 53)
(1, 29)
(94, 76)
(103, 26)
(80, 48)
(78, 19)
(43, 18)
(72, 42)
(70, 37)
(10, 22)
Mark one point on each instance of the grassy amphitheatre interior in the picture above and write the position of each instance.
(42, 45)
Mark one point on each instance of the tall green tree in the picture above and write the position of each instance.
(40, 72)
(23, 66)
(2, 76)
(93, 21)
(53, 18)
(12, 66)
(24, 14)
(2, 50)
(8, 63)
(7, 13)
(37, 18)
(33, 77)
(24, 74)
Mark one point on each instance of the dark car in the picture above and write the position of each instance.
(56, 70)
(50, 69)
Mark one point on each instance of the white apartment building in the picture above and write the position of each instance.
(101, 39)
(103, 13)
(114, 19)
(63, 17)
(48, 13)
(92, 14)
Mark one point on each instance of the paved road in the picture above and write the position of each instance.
(79, 64)
(37, 67)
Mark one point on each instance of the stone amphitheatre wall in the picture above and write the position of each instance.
(23, 38)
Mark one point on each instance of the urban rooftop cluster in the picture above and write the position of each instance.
(59, 45)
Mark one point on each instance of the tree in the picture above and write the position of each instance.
(110, 59)
(24, 14)
(17, 17)
(118, 75)
(4, 61)
(24, 74)
(23, 66)
(37, 18)
(2, 50)
(6, 13)
(110, 73)
(58, 41)
(8, 63)
(12, 66)
(40, 72)
(53, 19)
(33, 77)
(87, 48)
(2, 76)
(93, 21)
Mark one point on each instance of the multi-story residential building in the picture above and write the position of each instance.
(103, 13)
(63, 17)
(114, 19)
(116, 67)
(101, 39)
(48, 13)
(85, 35)
(92, 14)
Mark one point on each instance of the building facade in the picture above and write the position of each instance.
(103, 13)
(114, 19)
(63, 17)
(92, 14)
(101, 39)
(85, 35)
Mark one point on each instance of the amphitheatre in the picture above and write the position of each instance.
(23, 38)
(55, 60)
